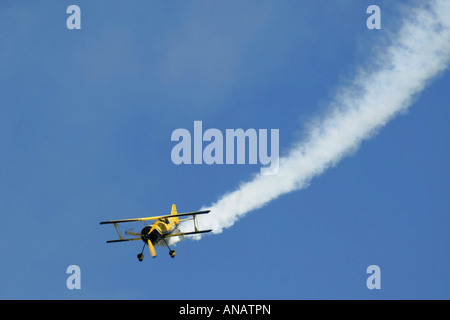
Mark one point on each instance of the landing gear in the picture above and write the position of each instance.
(140, 256)
(171, 252)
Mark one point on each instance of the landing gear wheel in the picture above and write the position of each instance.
(172, 253)
(140, 256)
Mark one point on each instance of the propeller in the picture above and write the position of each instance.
(152, 249)
(149, 243)
(133, 233)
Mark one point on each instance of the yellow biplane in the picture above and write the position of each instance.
(164, 227)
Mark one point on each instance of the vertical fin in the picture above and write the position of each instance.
(174, 211)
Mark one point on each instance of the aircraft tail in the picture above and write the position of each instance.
(174, 212)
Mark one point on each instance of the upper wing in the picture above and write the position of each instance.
(157, 217)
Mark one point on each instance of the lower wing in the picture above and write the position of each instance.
(186, 233)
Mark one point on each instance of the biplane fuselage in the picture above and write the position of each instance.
(156, 233)
(163, 228)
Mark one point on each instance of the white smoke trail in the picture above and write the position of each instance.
(416, 54)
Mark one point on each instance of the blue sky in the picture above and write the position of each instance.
(86, 118)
